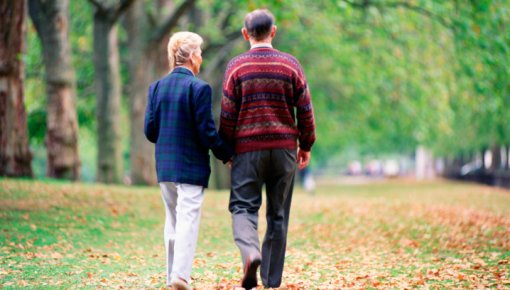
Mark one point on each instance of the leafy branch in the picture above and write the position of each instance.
(364, 4)
(171, 21)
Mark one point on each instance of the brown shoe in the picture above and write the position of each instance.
(250, 271)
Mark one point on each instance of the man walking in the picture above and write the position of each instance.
(266, 107)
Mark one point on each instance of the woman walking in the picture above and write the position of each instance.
(179, 120)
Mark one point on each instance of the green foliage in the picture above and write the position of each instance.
(37, 125)
(386, 78)
(81, 18)
(35, 95)
(483, 46)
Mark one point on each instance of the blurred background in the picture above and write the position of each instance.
(401, 88)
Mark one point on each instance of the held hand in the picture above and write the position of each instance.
(229, 164)
(303, 158)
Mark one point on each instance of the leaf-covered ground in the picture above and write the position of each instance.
(396, 234)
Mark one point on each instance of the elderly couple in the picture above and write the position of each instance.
(265, 109)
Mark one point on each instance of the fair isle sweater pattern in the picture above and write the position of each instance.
(266, 103)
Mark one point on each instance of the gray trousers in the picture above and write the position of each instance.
(250, 171)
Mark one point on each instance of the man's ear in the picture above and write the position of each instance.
(246, 36)
(273, 31)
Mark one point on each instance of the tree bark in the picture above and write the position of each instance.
(15, 156)
(51, 21)
(107, 80)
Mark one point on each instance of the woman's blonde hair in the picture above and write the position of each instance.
(181, 47)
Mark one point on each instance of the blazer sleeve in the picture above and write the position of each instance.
(151, 128)
(206, 128)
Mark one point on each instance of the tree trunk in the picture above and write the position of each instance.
(107, 79)
(143, 170)
(51, 22)
(496, 157)
(141, 74)
(15, 156)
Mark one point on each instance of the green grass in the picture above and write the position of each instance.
(397, 234)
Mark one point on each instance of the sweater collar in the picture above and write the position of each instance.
(183, 70)
(262, 45)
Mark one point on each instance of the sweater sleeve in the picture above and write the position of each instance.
(305, 116)
(206, 128)
(229, 109)
(151, 128)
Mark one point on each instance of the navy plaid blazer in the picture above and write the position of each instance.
(179, 120)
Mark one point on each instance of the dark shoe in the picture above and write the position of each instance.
(250, 272)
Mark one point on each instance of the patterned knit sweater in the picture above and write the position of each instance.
(266, 103)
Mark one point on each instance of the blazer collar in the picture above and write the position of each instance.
(183, 70)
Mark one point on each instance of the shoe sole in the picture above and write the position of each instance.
(250, 278)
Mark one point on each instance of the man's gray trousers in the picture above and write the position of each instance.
(276, 169)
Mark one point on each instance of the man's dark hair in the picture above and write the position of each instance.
(259, 23)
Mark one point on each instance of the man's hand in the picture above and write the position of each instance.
(303, 158)
(229, 164)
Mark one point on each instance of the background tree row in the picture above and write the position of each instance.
(386, 76)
